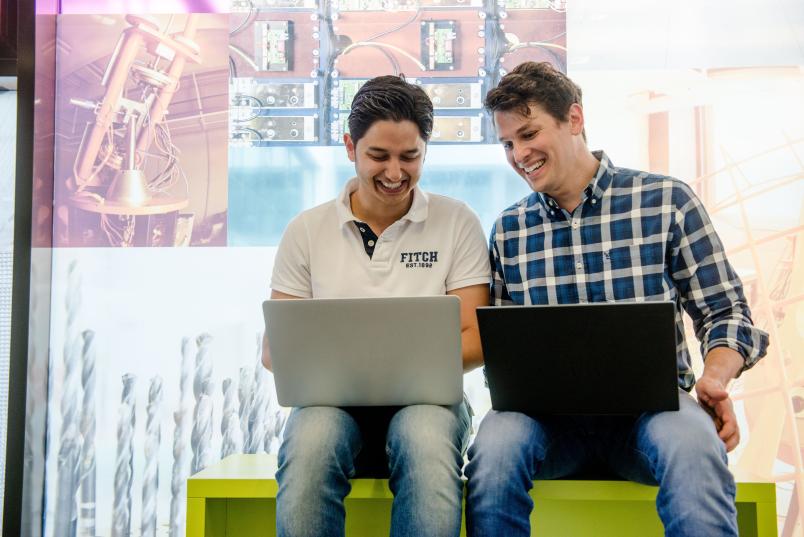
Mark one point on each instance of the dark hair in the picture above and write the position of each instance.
(534, 83)
(390, 97)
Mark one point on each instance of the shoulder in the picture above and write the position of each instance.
(440, 201)
(318, 214)
(514, 212)
(664, 188)
(306, 226)
(440, 205)
(627, 177)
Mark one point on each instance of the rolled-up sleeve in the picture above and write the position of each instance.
(709, 288)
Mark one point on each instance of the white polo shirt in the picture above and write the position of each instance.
(438, 246)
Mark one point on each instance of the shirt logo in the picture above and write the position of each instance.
(419, 259)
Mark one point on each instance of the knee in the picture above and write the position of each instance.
(427, 436)
(316, 437)
(506, 436)
(687, 441)
(507, 444)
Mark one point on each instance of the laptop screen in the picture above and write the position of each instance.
(607, 358)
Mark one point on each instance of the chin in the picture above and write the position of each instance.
(531, 183)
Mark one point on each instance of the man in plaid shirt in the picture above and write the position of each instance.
(592, 232)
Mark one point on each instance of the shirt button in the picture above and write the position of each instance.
(594, 200)
(371, 242)
(575, 224)
(579, 266)
(362, 230)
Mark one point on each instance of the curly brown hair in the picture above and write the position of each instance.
(534, 83)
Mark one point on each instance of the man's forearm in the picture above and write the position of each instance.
(723, 364)
(472, 349)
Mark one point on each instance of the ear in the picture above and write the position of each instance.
(350, 146)
(576, 119)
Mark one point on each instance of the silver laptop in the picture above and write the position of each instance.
(365, 351)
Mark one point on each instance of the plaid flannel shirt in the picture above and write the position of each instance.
(634, 237)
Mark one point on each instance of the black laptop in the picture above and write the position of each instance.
(596, 359)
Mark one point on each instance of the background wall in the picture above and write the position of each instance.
(153, 369)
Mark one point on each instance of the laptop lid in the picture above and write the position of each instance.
(602, 358)
(366, 351)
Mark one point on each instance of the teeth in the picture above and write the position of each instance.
(391, 186)
(534, 167)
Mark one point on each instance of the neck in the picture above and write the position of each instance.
(578, 178)
(378, 218)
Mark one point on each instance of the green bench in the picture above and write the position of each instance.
(237, 497)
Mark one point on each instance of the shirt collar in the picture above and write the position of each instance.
(603, 177)
(596, 187)
(417, 212)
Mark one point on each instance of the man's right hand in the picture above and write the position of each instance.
(720, 366)
(715, 400)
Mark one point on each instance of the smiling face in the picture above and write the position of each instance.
(388, 163)
(543, 150)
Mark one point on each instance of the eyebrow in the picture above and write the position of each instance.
(383, 150)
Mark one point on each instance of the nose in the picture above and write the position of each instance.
(393, 170)
(519, 152)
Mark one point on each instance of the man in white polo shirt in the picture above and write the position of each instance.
(382, 236)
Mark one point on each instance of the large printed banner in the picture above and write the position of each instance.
(207, 130)
(141, 140)
(184, 144)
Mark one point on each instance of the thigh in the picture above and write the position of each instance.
(426, 427)
(319, 434)
(661, 437)
(548, 447)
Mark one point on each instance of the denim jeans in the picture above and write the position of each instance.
(420, 446)
(679, 451)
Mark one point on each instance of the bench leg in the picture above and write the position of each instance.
(766, 519)
(206, 517)
(196, 517)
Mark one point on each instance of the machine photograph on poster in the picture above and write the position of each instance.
(295, 65)
(141, 142)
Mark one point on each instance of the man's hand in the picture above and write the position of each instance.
(714, 398)
(720, 366)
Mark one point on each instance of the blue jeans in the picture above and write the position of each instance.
(679, 451)
(421, 446)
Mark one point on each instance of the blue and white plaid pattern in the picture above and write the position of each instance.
(635, 237)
